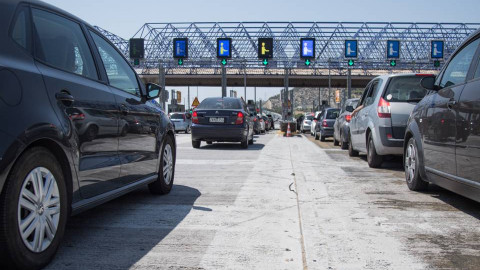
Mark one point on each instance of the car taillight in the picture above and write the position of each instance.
(195, 118)
(305, 122)
(239, 118)
(383, 109)
(348, 117)
(79, 116)
(255, 119)
(324, 123)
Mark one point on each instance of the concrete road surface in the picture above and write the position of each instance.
(285, 203)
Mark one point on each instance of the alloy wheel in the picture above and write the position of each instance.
(410, 162)
(167, 164)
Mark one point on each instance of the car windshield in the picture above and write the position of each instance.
(176, 116)
(332, 114)
(309, 117)
(404, 89)
(220, 103)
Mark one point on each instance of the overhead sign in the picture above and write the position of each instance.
(393, 49)
(265, 48)
(224, 48)
(195, 102)
(307, 48)
(137, 48)
(180, 48)
(351, 49)
(437, 49)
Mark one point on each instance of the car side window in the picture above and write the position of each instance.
(372, 93)
(119, 73)
(20, 31)
(364, 95)
(477, 72)
(457, 69)
(60, 42)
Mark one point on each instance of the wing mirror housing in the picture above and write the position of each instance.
(429, 83)
(349, 108)
(153, 91)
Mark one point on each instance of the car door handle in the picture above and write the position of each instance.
(124, 109)
(65, 97)
(451, 103)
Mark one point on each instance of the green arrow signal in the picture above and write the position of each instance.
(136, 62)
(307, 62)
(224, 61)
(265, 61)
(351, 62)
(393, 63)
(180, 61)
(436, 63)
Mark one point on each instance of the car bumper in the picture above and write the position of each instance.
(389, 146)
(327, 132)
(218, 133)
(307, 127)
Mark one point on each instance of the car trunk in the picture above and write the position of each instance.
(217, 117)
(400, 114)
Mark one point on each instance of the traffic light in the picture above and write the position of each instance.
(393, 63)
(265, 62)
(136, 62)
(137, 48)
(436, 63)
(307, 62)
(180, 61)
(224, 62)
(351, 63)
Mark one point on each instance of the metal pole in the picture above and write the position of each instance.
(329, 84)
(349, 83)
(161, 80)
(189, 98)
(245, 83)
(255, 97)
(319, 96)
(224, 82)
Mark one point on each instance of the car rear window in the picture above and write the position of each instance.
(219, 103)
(176, 116)
(309, 117)
(332, 114)
(404, 89)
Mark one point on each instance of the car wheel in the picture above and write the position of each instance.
(351, 151)
(209, 142)
(124, 131)
(187, 130)
(412, 173)
(166, 172)
(335, 142)
(343, 144)
(33, 211)
(196, 144)
(250, 142)
(374, 160)
(322, 138)
(244, 143)
(91, 133)
(316, 135)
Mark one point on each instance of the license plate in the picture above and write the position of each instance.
(217, 120)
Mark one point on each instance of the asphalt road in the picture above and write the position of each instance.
(285, 203)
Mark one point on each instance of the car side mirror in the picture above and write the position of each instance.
(153, 91)
(349, 108)
(428, 83)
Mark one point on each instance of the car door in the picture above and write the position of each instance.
(440, 145)
(79, 97)
(139, 144)
(468, 126)
(363, 116)
(354, 122)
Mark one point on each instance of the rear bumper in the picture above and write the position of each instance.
(327, 132)
(218, 133)
(306, 127)
(389, 146)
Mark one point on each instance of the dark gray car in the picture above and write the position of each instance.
(326, 120)
(342, 124)
(442, 141)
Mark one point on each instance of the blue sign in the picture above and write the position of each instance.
(224, 47)
(393, 49)
(307, 48)
(437, 49)
(351, 49)
(180, 48)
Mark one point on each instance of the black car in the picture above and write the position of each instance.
(341, 128)
(324, 126)
(66, 99)
(222, 120)
(442, 140)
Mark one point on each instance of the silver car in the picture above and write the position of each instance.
(181, 121)
(307, 122)
(378, 123)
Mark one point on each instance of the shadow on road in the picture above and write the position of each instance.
(116, 235)
(231, 146)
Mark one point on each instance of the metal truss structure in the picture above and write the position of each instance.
(330, 36)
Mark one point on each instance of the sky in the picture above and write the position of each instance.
(125, 18)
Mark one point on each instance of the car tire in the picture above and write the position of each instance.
(124, 131)
(91, 133)
(187, 130)
(250, 142)
(166, 171)
(244, 143)
(316, 135)
(351, 151)
(322, 138)
(343, 144)
(209, 142)
(412, 172)
(196, 144)
(374, 160)
(17, 251)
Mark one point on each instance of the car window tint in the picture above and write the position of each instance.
(404, 88)
(60, 43)
(332, 114)
(364, 95)
(309, 117)
(220, 103)
(457, 69)
(20, 31)
(119, 73)
(477, 72)
(373, 93)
